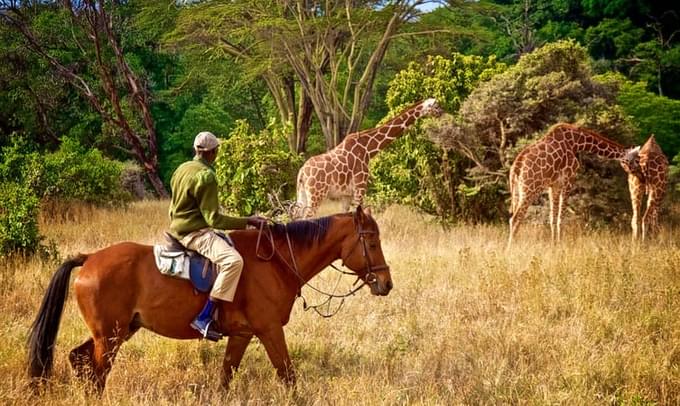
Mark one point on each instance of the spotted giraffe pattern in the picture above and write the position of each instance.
(552, 163)
(342, 172)
(647, 174)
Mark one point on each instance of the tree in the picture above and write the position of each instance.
(552, 84)
(118, 94)
(651, 113)
(413, 170)
(320, 57)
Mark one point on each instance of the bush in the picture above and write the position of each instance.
(18, 219)
(72, 174)
(251, 165)
(29, 180)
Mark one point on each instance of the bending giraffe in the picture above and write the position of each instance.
(342, 172)
(551, 163)
(647, 174)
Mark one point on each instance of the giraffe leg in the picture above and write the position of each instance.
(649, 220)
(314, 203)
(564, 193)
(635, 189)
(554, 195)
(525, 201)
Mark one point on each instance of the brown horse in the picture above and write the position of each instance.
(119, 290)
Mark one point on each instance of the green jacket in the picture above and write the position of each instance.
(194, 202)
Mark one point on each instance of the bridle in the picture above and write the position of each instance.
(369, 277)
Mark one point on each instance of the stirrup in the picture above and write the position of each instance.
(208, 333)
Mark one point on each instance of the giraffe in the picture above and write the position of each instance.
(647, 174)
(342, 172)
(551, 163)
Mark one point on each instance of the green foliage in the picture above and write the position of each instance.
(652, 114)
(396, 173)
(73, 173)
(612, 38)
(70, 174)
(251, 165)
(19, 208)
(449, 80)
(29, 180)
(552, 84)
(413, 170)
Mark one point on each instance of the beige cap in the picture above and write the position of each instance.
(205, 141)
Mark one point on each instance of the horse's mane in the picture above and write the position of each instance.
(304, 232)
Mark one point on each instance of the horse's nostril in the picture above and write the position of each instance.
(389, 285)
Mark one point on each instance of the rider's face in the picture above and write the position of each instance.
(210, 156)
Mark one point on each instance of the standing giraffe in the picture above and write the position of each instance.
(342, 172)
(647, 174)
(551, 163)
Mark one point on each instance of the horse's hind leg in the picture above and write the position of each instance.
(82, 359)
(92, 359)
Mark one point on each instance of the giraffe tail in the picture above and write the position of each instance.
(301, 200)
(512, 185)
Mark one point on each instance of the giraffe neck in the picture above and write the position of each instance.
(376, 139)
(591, 142)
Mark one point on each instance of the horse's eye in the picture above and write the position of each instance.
(372, 245)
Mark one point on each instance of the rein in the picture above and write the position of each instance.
(368, 279)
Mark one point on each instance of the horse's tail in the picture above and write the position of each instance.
(46, 325)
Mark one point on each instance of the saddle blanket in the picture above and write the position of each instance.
(185, 264)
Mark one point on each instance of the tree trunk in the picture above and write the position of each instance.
(92, 18)
(304, 122)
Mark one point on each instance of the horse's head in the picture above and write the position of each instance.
(362, 253)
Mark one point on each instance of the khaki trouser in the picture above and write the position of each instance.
(228, 261)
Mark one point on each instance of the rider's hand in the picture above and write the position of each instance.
(257, 221)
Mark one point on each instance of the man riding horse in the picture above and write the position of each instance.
(194, 214)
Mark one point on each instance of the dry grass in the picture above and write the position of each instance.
(592, 321)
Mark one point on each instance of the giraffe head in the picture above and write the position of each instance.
(631, 161)
(430, 107)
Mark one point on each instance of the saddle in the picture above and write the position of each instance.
(173, 259)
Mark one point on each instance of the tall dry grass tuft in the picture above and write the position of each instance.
(593, 320)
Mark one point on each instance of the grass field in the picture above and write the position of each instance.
(595, 320)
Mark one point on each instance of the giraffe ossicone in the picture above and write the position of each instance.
(342, 172)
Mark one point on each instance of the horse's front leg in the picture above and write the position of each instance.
(274, 342)
(236, 347)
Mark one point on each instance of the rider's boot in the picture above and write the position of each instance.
(204, 322)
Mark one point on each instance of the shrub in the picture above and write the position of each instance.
(18, 219)
(251, 165)
(29, 180)
(73, 174)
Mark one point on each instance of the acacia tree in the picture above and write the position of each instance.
(319, 57)
(117, 93)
